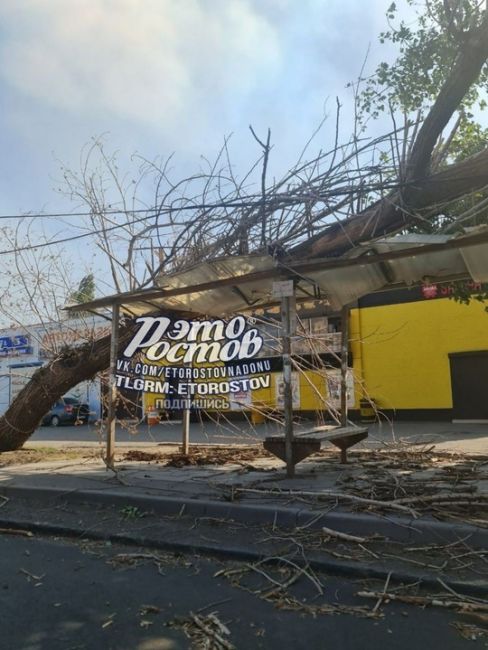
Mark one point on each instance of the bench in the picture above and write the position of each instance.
(309, 442)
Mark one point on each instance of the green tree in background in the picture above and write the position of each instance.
(85, 291)
(427, 54)
(428, 49)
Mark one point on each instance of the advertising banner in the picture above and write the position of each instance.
(198, 364)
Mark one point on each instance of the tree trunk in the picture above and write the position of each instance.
(50, 383)
(465, 71)
(395, 212)
(420, 189)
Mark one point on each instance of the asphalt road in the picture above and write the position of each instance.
(208, 432)
(472, 438)
(77, 595)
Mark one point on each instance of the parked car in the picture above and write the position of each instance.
(67, 410)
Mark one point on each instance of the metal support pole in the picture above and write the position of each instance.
(185, 447)
(112, 387)
(186, 431)
(344, 363)
(286, 305)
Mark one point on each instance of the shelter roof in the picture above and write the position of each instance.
(241, 283)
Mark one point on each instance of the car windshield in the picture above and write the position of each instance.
(70, 400)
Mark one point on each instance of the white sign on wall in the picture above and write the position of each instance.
(295, 390)
(283, 289)
(333, 379)
(240, 400)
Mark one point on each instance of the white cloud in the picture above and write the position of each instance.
(170, 75)
(150, 61)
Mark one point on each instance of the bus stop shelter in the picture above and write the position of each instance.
(240, 284)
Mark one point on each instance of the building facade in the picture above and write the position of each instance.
(415, 353)
(24, 349)
(421, 355)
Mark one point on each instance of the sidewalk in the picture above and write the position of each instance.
(417, 512)
(417, 484)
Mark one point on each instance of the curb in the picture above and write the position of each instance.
(335, 567)
(401, 529)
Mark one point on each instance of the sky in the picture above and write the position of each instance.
(163, 76)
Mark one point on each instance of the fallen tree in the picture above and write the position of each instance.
(363, 199)
(419, 189)
(51, 382)
(401, 208)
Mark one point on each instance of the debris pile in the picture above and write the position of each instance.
(406, 481)
(205, 632)
(201, 455)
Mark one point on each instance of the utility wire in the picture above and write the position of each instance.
(275, 202)
(74, 237)
(253, 200)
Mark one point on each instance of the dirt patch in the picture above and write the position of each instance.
(200, 456)
(42, 454)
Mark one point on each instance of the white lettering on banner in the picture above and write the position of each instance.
(205, 341)
(147, 385)
(161, 356)
(141, 338)
(179, 372)
(205, 404)
(180, 330)
(191, 388)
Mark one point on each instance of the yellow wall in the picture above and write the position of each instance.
(401, 351)
(313, 391)
(400, 355)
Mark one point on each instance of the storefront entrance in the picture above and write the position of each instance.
(469, 381)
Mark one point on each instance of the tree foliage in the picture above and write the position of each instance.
(428, 49)
(85, 291)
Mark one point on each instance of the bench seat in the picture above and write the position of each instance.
(309, 442)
